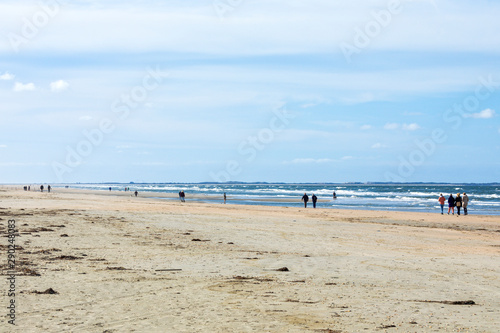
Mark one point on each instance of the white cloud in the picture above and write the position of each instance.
(24, 87)
(365, 127)
(378, 145)
(485, 114)
(405, 127)
(283, 26)
(347, 158)
(391, 126)
(309, 160)
(85, 118)
(411, 127)
(58, 86)
(3, 146)
(7, 76)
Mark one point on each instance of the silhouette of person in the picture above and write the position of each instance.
(305, 198)
(314, 199)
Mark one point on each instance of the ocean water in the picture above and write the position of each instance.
(484, 199)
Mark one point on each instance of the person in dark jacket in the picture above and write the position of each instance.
(451, 205)
(305, 198)
(314, 199)
(458, 203)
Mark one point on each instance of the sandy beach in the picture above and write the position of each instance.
(98, 261)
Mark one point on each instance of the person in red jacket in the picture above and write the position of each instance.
(441, 200)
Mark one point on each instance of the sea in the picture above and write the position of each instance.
(484, 198)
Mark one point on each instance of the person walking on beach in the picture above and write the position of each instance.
(136, 193)
(465, 203)
(224, 198)
(182, 196)
(441, 200)
(314, 199)
(451, 205)
(458, 203)
(305, 198)
(41, 188)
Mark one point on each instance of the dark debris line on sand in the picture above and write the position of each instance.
(469, 302)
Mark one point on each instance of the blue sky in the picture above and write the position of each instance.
(217, 90)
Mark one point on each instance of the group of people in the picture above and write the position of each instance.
(314, 199)
(458, 201)
(28, 188)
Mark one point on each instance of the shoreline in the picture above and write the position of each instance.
(217, 199)
(111, 259)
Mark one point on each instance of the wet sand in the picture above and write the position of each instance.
(98, 261)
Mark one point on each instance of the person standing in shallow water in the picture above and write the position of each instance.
(314, 199)
(305, 198)
(442, 200)
(458, 203)
(224, 198)
(465, 203)
(451, 205)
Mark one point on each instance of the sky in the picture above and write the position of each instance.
(249, 90)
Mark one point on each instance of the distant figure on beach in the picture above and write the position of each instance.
(110, 188)
(442, 200)
(458, 203)
(314, 199)
(224, 198)
(334, 195)
(136, 193)
(41, 188)
(48, 188)
(29, 188)
(465, 203)
(182, 196)
(305, 198)
(451, 205)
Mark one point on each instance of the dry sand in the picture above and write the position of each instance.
(123, 264)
